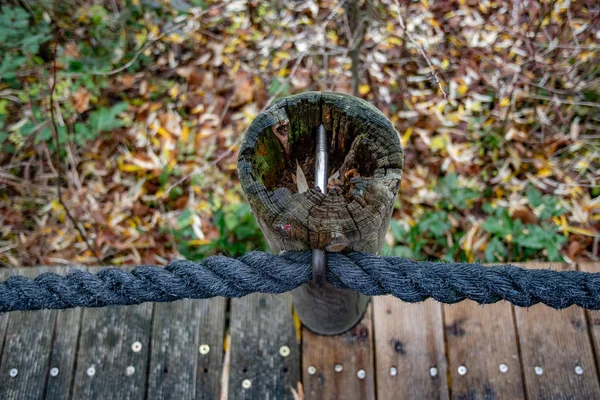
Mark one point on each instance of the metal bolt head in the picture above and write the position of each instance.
(246, 383)
(204, 349)
(91, 371)
(13, 372)
(312, 370)
(54, 371)
(433, 371)
(130, 370)
(361, 374)
(393, 371)
(284, 351)
(503, 368)
(338, 367)
(136, 347)
(579, 370)
(538, 370)
(462, 370)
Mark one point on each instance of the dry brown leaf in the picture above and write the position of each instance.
(525, 215)
(81, 100)
(126, 80)
(72, 50)
(244, 94)
(301, 79)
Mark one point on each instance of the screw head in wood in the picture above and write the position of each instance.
(462, 370)
(13, 372)
(312, 370)
(361, 374)
(246, 383)
(338, 367)
(204, 349)
(130, 370)
(538, 370)
(579, 370)
(503, 368)
(433, 371)
(393, 371)
(91, 371)
(136, 347)
(284, 351)
(54, 371)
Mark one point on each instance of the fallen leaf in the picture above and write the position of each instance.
(81, 100)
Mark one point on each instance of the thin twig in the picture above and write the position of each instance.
(58, 170)
(421, 50)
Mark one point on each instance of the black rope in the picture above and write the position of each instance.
(410, 281)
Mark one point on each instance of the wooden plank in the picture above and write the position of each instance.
(554, 344)
(4, 274)
(265, 358)
(482, 340)
(593, 316)
(409, 343)
(178, 370)
(26, 352)
(64, 349)
(108, 366)
(353, 351)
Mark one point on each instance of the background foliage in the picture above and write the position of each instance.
(496, 103)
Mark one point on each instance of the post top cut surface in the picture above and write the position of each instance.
(365, 168)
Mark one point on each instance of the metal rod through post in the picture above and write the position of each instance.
(319, 259)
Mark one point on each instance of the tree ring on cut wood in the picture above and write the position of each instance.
(365, 169)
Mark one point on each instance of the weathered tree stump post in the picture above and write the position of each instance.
(365, 168)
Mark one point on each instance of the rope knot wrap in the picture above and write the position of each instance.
(408, 280)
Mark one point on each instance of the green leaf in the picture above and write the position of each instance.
(495, 250)
(398, 231)
(534, 196)
(10, 65)
(106, 119)
(435, 223)
(185, 218)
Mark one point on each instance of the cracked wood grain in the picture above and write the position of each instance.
(366, 158)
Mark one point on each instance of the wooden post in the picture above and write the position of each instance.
(365, 168)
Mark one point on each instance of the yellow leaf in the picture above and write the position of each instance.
(406, 136)
(445, 63)
(198, 242)
(462, 89)
(236, 66)
(283, 72)
(282, 54)
(394, 40)
(364, 89)
(130, 168)
(581, 231)
(185, 132)
(297, 325)
(226, 343)
(163, 132)
(504, 102)
(437, 143)
(174, 92)
(425, 3)
(544, 172)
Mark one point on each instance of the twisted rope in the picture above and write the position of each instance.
(408, 280)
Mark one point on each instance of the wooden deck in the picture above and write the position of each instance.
(181, 351)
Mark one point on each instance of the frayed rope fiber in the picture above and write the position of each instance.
(410, 281)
